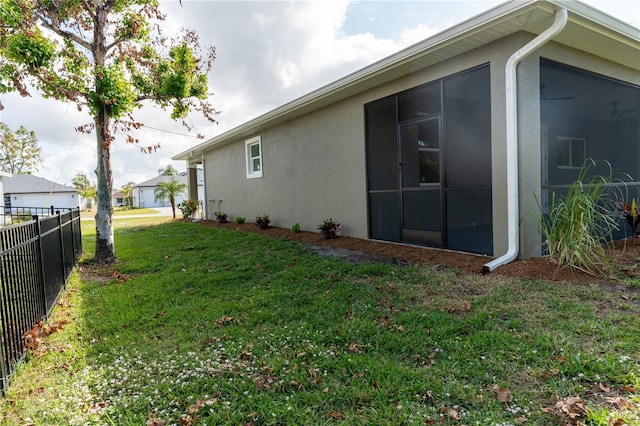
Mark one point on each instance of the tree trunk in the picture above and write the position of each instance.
(173, 206)
(105, 249)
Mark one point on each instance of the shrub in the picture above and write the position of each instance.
(189, 207)
(240, 220)
(295, 229)
(263, 221)
(221, 217)
(579, 223)
(329, 228)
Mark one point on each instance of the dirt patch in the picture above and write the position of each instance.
(626, 254)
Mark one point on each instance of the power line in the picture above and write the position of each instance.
(169, 131)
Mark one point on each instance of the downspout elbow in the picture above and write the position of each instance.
(511, 118)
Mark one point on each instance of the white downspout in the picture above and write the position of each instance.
(511, 78)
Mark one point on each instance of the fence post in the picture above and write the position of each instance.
(41, 260)
(64, 268)
(72, 223)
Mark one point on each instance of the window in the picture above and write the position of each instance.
(7, 201)
(253, 149)
(572, 152)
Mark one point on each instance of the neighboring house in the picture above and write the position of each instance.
(437, 145)
(144, 193)
(119, 199)
(3, 175)
(24, 191)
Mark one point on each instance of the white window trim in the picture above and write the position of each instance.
(573, 162)
(249, 160)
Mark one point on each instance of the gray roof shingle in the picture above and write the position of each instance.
(29, 184)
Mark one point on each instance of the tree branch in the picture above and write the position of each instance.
(87, 7)
(55, 27)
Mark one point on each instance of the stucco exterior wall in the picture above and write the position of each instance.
(314, 166)
(59, 200)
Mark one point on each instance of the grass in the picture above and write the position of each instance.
(204, 326)
(121, 211)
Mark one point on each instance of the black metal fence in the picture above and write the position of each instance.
(36, 259)
(13, 215)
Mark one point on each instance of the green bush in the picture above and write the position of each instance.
(295, 228)
(329, 228)
(263, 221)
(189, 207)
(579, 223)
(240, 220)
(222, 217)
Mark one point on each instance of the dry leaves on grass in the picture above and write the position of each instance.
(502, 394)
(335, 415)
(116, 275)
(223, 321)
(569, 411)
(459, 308)
(33, 338)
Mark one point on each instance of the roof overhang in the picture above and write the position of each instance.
(5, 174)
(588, 30)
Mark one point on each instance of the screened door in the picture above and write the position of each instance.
(429, 164)
(421, 184)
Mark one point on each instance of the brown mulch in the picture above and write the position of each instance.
(626, 254)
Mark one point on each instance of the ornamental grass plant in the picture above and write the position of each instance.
(580, 223)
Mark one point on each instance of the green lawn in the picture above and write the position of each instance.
(203, 326)
(121, 211)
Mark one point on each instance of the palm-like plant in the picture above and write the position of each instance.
(169, 190)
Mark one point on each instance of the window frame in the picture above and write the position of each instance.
(571, 140)
(249, 159)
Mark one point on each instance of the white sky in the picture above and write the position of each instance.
(268, 53)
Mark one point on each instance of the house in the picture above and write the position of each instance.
(3, 175)
(119, 199)
(29, 191)
(451, 143)
(143, 194)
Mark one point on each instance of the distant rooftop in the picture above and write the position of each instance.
(30, 184)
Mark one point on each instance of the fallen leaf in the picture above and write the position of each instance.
(503, 394)
(463, 306)
(520, 420)
(334, 414)
(618, 402)
(559, 358)
(625, 388)
(453, 414)
(355, 348)
(550, 373)
(570, 409)
(604, 388)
